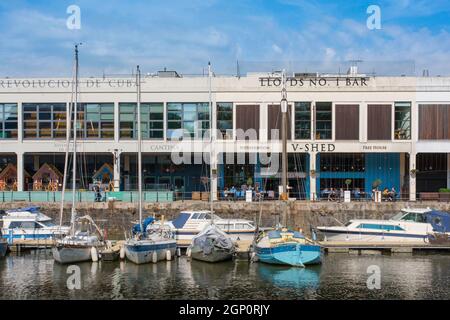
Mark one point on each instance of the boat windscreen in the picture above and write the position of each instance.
(47, 223)
(398, 216)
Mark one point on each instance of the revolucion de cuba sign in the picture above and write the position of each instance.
(64, 83)
(315, 81)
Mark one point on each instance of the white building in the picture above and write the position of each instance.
(358, 128)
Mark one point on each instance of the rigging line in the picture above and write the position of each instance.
(66, 158)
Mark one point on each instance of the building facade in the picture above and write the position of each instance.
(354, 132)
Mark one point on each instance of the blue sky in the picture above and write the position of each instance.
(185, 35)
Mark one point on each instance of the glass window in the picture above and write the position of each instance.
(402, 126)
(96, 120)
(192, 118)
(303, 120)
(323, 120)
(225, 119)
(342, 162)
(8, 121)
(44, 120)
(152, 120)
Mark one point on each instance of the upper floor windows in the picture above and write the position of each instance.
(225, 119)
(8, 121)
(187, 120)
(303, 120)
(96, 120)
(324, 121)
(44, 120)
(402, 124)
(152, 120)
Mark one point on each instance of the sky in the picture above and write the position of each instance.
(257, 35)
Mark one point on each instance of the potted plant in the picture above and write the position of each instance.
(444, 194)
(376, 183)
(348, 182)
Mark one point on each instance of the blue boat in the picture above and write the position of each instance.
(286, 247)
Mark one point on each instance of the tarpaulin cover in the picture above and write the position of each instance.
(145, 223)
(212, 237)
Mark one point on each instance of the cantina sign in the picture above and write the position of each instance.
(315, 82)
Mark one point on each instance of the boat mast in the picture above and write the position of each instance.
(284, 107)
(211, 170)
(66, 158)
(139, 133)
(74, 161)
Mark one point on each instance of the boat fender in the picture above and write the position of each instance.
(94, 254)
(178, 252)
(154, 257)
(122, 252)
(188, 252)
(168, 255)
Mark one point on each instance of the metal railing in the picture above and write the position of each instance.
(170, 196)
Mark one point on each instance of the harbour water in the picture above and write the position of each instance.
(34, 275)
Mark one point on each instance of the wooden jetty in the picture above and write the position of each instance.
(381, 247)
(112, 253)
(19, 245)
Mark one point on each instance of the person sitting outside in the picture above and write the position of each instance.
(392, 194)
(385, 194)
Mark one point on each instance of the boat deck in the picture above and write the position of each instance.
(380, 247)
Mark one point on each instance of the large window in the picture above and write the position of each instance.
(225, 119)
(342, 162)
(8, 121)
(323, 120)
(152, 120)
(402, 121)
(44, 120)
(191, 118)
(303, 120)
(96, 120)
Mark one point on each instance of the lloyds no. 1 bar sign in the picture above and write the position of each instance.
(315, 82)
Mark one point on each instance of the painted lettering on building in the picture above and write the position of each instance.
(315, 82)
(313, 147)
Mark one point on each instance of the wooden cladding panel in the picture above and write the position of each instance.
(347, 122)
(434, 121)
(274, 121)
(379, 118)
(247, 117)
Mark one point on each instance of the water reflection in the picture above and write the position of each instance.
(282, 277)
(35, 276)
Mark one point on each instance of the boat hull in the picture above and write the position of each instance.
(216, 255)
(71, 254)
(297, 255)
(235, 236)
(367, 237)
(143, 253)
(3, 248)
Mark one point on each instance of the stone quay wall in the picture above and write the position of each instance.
(118, 217)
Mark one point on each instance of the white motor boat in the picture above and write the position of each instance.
(190, 223)
(30, 224)
(409, 225)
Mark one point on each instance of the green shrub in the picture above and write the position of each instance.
(444, 190)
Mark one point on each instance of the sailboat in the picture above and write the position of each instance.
(85, 238)
(157, 243)
(211, 244)
(284, 246)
